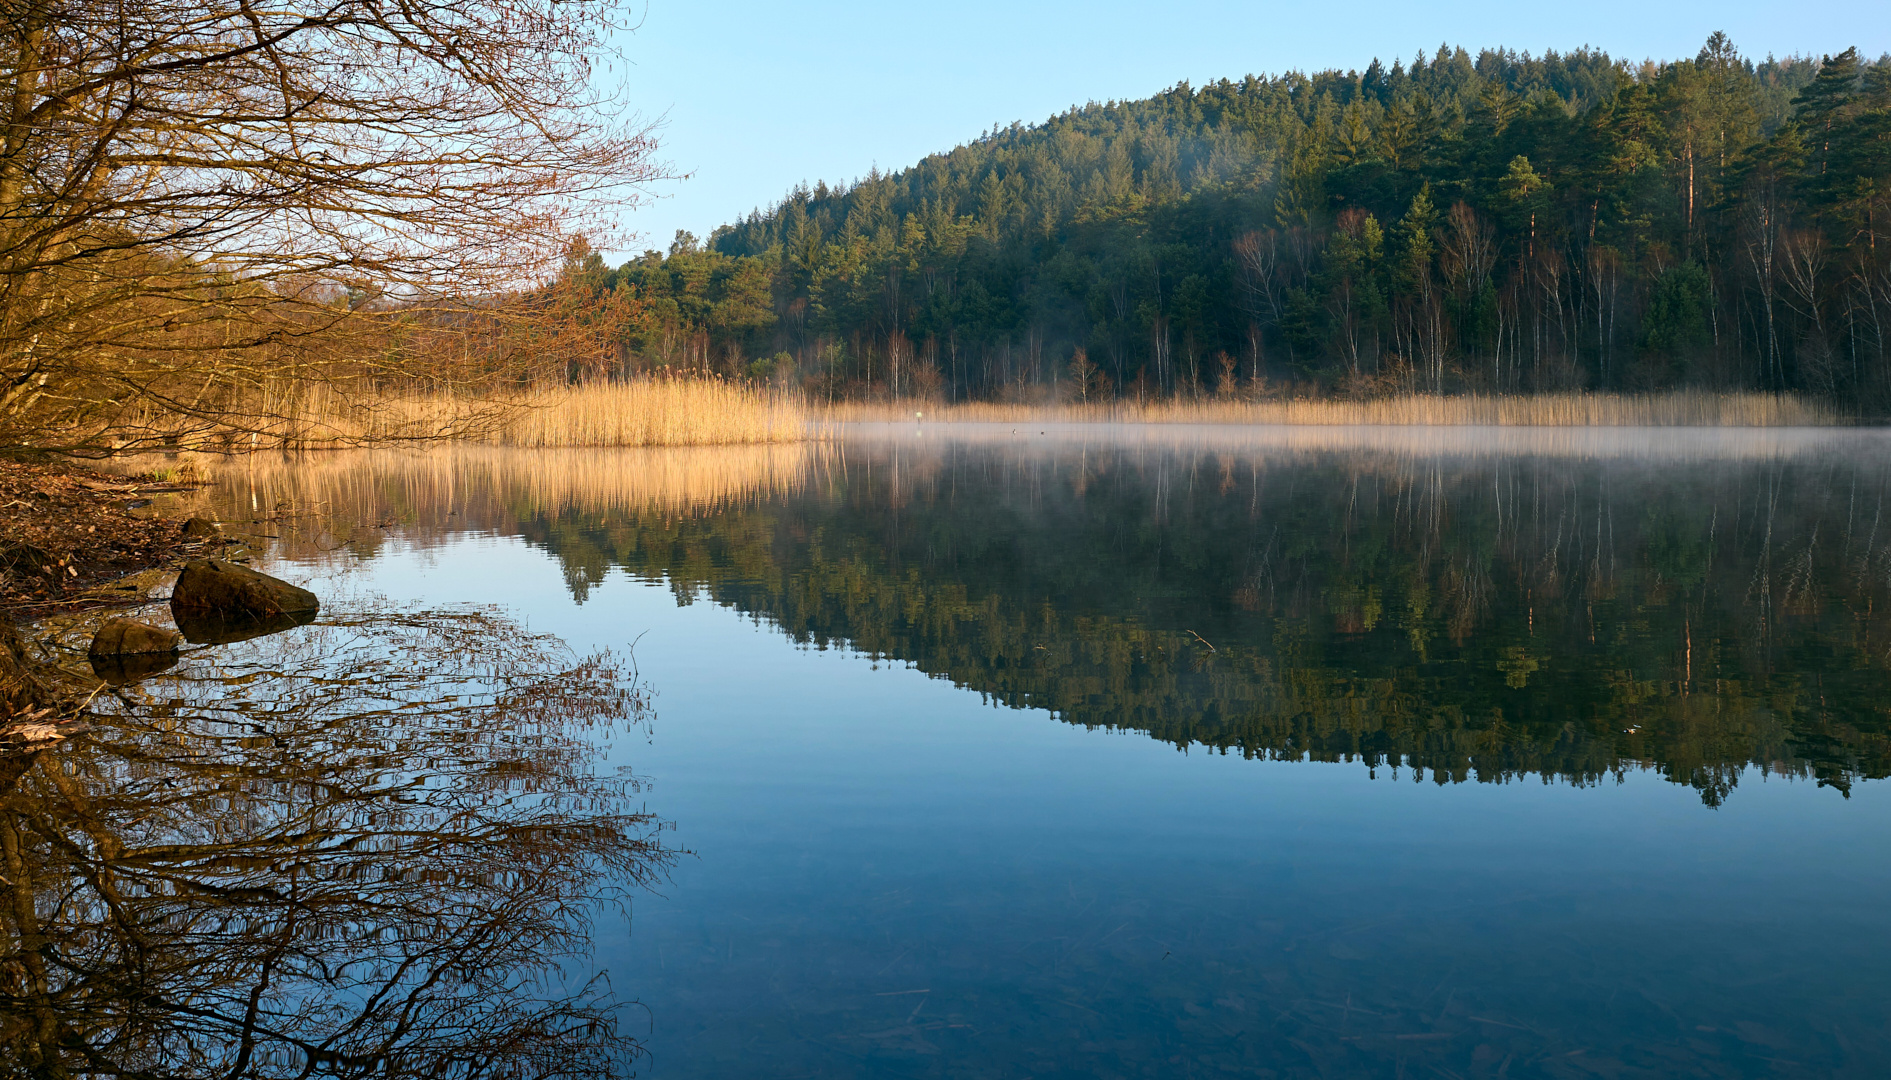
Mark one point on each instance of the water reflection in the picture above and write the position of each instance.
(369, 847)
(226, 628)
(1693, 603)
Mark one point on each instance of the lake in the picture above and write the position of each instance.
(981, 751)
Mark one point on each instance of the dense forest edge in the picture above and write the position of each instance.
(1499, 223)
(1503, 225)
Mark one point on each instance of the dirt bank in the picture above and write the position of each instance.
(65, 530)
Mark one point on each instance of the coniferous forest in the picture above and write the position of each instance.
(1500, 222)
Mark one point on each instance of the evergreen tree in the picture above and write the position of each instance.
(1496, 221)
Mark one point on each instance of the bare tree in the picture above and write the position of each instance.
(191, 194)
(1759, 236)
(1258, 262)
(1467, 249)
(362, 851)
(1605, 282)
(1802, 265)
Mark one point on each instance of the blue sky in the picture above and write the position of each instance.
(756, 98)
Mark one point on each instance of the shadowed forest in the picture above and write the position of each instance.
(1500, 222)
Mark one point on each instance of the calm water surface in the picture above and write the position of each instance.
(1115, 753)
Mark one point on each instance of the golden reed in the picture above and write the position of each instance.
(659, 412)
(646, 412)
(700, 412)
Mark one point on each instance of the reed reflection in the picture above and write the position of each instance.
(1696, 604)
(374, 846)
(1434, 617)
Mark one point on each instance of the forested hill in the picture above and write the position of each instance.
(1503, 222)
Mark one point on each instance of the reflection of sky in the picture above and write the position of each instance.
(1079, 896)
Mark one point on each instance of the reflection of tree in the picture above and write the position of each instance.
(363, 849)
(1470, 618)
(1466, 620)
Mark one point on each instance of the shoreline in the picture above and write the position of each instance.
(684, 412)
(1670, 409)
(1419, 440)
(67, 533)
(70, 530)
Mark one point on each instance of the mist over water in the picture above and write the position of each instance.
(1159, 752)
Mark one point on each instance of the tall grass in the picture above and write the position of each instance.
(658, 412)
(646, 412)
(698, 412)
(1681, 408)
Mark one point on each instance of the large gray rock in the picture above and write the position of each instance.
(128, 637)
(212, 588)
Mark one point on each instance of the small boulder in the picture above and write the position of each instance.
(213, 588)
(198, 528)
(127, 637)
(124, 651)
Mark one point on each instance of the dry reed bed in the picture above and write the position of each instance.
(648, 412)
(665, 412)
(695, 412)
(1683, 408)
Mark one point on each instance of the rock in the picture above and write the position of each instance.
(213, 589)
(125, 651)
(127, 637)
(215, 603)
(201, 529)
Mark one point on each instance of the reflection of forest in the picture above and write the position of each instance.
(1480, 620)
(360, 849)
(1565, 612)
